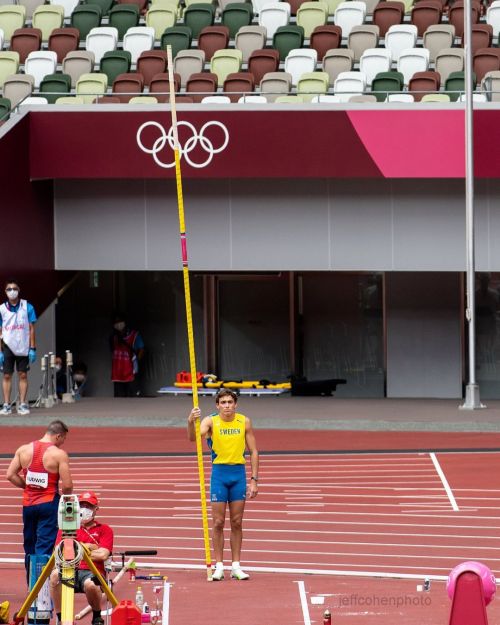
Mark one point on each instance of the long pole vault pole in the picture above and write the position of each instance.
(189, 314)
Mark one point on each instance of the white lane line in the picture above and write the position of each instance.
(303, 603)
(447, 488)
(166, 603)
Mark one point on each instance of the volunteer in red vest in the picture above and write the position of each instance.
(127, 349)
(98, 538)
(17, 334)
(37, 468)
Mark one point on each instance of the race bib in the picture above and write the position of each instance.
(38, 480)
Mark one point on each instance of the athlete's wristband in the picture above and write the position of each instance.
(255, 479)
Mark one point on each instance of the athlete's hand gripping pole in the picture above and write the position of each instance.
(189, 317)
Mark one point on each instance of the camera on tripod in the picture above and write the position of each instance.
(69, 514)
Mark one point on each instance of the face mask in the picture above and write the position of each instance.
(12, 294)
(58, 367)
(79, 377)
(86, 514)
(120, 326)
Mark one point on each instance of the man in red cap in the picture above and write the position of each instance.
(98, 538)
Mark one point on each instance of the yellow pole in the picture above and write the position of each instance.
(68, 575)
(189, 315)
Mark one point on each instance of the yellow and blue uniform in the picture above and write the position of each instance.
(227, 444)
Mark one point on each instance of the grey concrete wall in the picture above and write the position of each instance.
(243, 225)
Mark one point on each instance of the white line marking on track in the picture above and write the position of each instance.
(447, 488)
(303, 603)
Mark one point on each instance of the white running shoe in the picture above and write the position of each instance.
(23, 409)
(6, 409)
(218, 575)
(239, 574)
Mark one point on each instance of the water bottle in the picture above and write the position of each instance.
(146, 614)
(139, 598)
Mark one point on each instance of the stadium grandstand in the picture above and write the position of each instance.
(322, 150)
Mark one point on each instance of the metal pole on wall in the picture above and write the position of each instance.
(472, 400)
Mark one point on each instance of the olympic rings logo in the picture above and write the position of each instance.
(196, 138)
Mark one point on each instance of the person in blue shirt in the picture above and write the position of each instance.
(18, 345)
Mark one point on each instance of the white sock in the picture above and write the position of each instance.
(236, 565)
(219, 565)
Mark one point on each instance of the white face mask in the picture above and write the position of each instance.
(86, 514)
(120, 326)
(58, 367)
(12, 294)
(79, 377)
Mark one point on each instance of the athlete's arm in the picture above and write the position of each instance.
(205, 425)
(65, 473)
(32, 336)
(13, 471)
(253, 487)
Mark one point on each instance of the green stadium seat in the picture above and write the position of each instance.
(123, 17)
(85, 17)
(455, 83)
(53, 85)
(288, 38)
(115, 62)
(179, 37)
(387, 82)
(197, 16)
(236, 15)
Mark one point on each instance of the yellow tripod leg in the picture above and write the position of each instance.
(68, 575)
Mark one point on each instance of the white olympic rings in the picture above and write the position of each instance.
(189, 146)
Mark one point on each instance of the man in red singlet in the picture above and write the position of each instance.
(37, 468)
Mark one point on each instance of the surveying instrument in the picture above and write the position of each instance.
(66, 558)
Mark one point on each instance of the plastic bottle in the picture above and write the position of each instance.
(146, 613)
(139, 598)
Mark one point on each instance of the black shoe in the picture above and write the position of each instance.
(97, 620)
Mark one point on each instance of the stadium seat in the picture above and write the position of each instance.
(426, 13)
(33, 101)
(404, 98)
(172, 3)
(289, 99)
(273, 15)
(128, 84)
(161, 17)
(68, 5)
(262, 62)
(237, 84)
(248, 39)
(492, 17)
(337, 61)
(252, 99)
(362, 38)
(455, 84)
(85, 18)
(449, 60)
(29, 5)
(77, 63)
(106, 99)
(288, 38)
(324, 38)
(370, 6)
(413, 60)
(490, 85)
(39, 64)
(103, 5)
(197, 16)
(12, 17)
(437, 37)
(348, 84)
(363, 99)
(18, 87)
(213, 38)
(476, 97)
(138, 39)
(236, 15)
(216, 99)
(257, 5)
(438, 98)
(387, 14)
(400, 37)
(311, 84)
(312, 14)
(142, 4)
(24, 41)
(63, 40)
(143, 99)
(200, 84)
(299, 62)
(47, 17)
(456, 15)
(70, 99)
(53, 85)
(424, 82)
(160, 86)
(274, 84)
(100, 40)
(225, 62)
(327, 99)
(152, 62)
(179, 37)
(114, 63)
(90, 85)
(386, 83)
(374, 61)
(486, 60)
(188, 62)
(123, 17)
(482, 37)
(349, 14)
